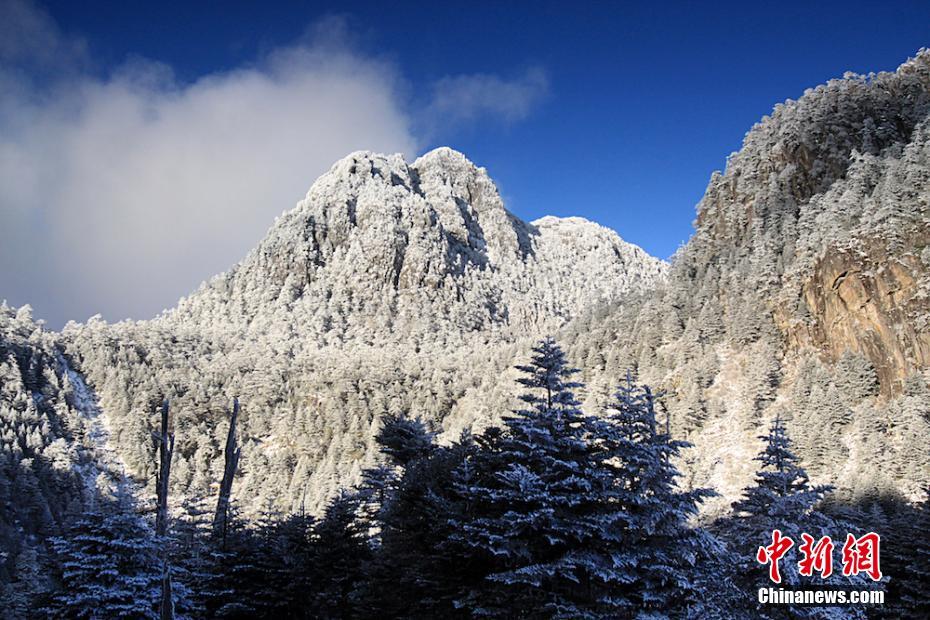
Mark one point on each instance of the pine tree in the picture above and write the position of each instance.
(236, 572)
(290, 578)
(30, 586)
(272, 565)
(404, 439)
(650, 557)
(782, 498)
(782, 491)
(529, 507)
(109, 565)
(373, 493)
(412, 575)
(339, 554)
(191, 557)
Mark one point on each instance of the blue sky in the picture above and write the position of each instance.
(645, 99)
(617, 112)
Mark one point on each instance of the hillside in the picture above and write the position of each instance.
(802, 293)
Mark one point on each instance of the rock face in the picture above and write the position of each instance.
(868, 302)
(861, 280)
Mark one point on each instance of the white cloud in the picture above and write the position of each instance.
(467, 97)
(120, 193)
(29, 36)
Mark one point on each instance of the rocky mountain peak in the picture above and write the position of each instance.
(407, 244)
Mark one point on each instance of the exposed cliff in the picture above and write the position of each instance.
(869, 302)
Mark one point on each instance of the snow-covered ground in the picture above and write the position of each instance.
(103, 470)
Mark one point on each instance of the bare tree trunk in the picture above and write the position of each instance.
(232, 460)
(167, 598)
(165, 452)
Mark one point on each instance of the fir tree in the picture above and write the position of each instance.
(649, 558)
(236, 571)
(782, 498)
(109, 565)
(377, 485)
(782, 492)
(29, 587)
(339, 554)
(290, 567)
(529, 507)
(404, 439)
(191, 557)
(412, 575)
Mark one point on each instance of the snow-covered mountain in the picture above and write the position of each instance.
(385, 251)
(803, 293)
(392, 286)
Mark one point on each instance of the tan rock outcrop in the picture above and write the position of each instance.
(869, 300)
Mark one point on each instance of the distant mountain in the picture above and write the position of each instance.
(385, 251)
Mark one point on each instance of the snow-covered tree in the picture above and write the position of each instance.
(404, 439)
(530, 506)
(783, 499)
(339, 555)
(412, 573)
(191, 557)
(782, 490)
(649, 557)
(110, 566)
